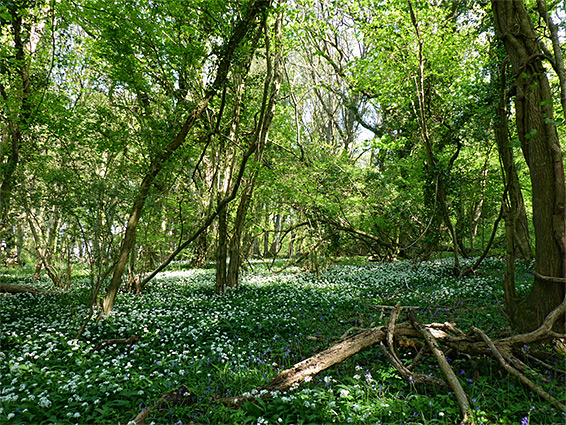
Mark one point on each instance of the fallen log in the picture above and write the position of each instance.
(179, 397)
(11, 288)
(475, 343)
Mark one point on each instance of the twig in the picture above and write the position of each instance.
(393, 357)
(352, 329)
(461, 395)
(549, 278)
(418, 357)
(536, 359)
(522, 367)
(526, 381)
(419, 294)
(390, 307)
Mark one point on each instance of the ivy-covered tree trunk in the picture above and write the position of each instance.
(236, 239)
(201, 251)
(541, 148)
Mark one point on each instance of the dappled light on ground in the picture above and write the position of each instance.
(223, 346)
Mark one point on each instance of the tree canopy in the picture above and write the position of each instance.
(136, 133)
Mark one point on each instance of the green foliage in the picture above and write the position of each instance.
(230, 345)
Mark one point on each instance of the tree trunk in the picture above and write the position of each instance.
(266, 233)
(221, 252)
(17, 119)
(241, 29)
(541, 148)
(276, 236)
(235, 241)
(517, 212)
(292, 241)
(201, 251)
(270, 96)
(431, 163)
(558, 58)
(43, 251)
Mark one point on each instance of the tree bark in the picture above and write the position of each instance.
(517, 213)
(18, 114)
(541, 148)
(157, 164)
(558, 58)
(221, 251)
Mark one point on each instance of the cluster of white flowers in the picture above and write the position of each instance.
(44, 402)
(185, 313)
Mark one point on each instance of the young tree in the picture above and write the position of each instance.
(24, 73)
(162, 154)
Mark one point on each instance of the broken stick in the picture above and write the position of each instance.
(526, 381)
(461, 395)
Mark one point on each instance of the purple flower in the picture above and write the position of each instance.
(525, 421)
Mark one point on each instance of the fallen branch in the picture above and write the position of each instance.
(525, 353)
(181, 396)
(433, 334)
(526, 381)
(325, 359)
(389, 307)
(393, 356)
(461, 395)
(11, 288)
(549, 278)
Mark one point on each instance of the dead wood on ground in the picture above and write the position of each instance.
(178, 397)
(435, 334)
(11, 288)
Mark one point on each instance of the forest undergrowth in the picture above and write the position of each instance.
(218, 346)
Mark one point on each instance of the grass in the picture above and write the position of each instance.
(229, 345)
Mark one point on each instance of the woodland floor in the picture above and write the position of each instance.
(227, 346)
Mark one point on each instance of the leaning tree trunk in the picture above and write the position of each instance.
(540, 144)
(240, 31)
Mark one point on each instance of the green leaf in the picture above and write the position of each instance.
(531, 134)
